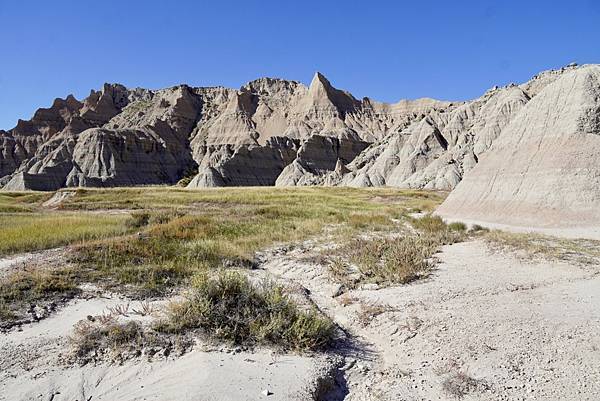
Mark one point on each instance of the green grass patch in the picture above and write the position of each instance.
(180, 233)
(154, 198)
(15, 202)
(172, 247)
(35, 231)
(228, 307)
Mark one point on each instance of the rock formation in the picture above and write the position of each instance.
(543, 169)
(269, 132)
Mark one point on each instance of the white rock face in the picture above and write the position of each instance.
(543, 168)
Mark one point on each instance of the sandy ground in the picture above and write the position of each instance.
(30, 369)
(592, 232)
(484, 326)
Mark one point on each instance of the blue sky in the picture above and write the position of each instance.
(386, 50)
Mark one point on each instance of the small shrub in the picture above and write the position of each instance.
(229, 307)
(387, 261)
(476, 228)
(105, 338)
(429, 224)
(340, 272)
(138, 219)
(185, 181)
(457, 226)
(90, 337)
(392, 261)
(188, 176)
(5, 313)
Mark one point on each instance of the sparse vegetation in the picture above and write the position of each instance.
(341, 272)
(229, 307)
(174, 238)
(24, 288)
(397, 260)
(459, 384)
(476, 229)
(457, 226)
(369, 311)
(172, 247)
(582, 251)
(392, 261)
(107, 338)
(429, 224)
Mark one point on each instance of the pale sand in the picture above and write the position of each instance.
(520, 331)
(30, 370)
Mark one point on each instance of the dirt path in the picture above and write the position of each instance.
(484, 327)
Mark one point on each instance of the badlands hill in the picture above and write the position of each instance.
(543, 170)
(269, 132)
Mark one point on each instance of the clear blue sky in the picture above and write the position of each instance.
(387, 50)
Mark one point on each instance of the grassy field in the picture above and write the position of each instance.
(326, 198)
(22, 202)
(34, 231)
(149, 242)
(253, 217)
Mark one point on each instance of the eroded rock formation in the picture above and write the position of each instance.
(543, 169)
(269, 132)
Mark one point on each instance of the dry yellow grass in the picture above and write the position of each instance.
(583, 251)
(35, 231)
(167, 235)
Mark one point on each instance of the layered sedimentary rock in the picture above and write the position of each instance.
(269, 132)
(543, 169)
(435, 151)
(280, 132)
(249, 136)
(116, 137)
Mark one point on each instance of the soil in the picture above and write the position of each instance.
(486, 325)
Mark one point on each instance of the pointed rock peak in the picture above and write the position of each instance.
(319, 81)
(70, 102)
(58, 103)
(322, 94)
(73, 102)
(242, 101)
(320, 91)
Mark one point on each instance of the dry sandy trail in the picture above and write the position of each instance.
(486, 326)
